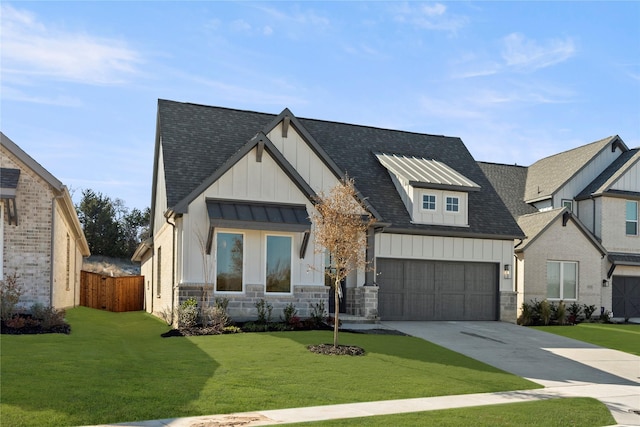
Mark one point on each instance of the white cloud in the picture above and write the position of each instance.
(33, 49)
(12, 94)
(430, 17)
(522, 53)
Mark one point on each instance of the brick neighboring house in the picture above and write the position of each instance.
(232, 196)
(579, 210)
(41, 239)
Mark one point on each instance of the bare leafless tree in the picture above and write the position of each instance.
(340, 228)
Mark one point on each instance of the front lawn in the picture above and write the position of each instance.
(115, 367)
(618, 337)
(578, 412)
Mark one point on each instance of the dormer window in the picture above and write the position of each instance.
(432, 191)
(453, 204)
(429, 202)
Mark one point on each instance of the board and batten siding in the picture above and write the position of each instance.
(247, 180)
(630, 181)
(303, 159)
(441, 248)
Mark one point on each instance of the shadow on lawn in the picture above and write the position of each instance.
(114, 367)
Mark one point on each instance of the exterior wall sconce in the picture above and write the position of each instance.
(605, 283)
(507, 271)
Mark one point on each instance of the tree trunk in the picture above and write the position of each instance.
(336, 320)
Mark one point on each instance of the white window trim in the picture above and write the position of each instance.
(562, 298)
(435, 202)
(264, 262)
(569, 201)
(451, 196)
(626, 220)
(215, 262)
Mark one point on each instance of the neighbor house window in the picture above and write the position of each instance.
(453, 204)
(229, 262)
(632, 218)
(567, 204)
(429, 202)
(562, 280)
(279, 264)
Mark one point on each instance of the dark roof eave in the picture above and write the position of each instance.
(452, 233)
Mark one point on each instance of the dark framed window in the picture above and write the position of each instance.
(429, 202)
(279, 264)
(229, 262)
(631, 224)
(453, 204)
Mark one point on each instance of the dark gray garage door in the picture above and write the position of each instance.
(436, 290)
(626, 296)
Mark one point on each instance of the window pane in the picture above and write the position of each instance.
(553, 280)
(632, 211)
(429, 202)
(569, 280)
(452, 204)
(632, 228)
(229, 252)
(278, 264)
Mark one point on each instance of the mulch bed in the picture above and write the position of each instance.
(339, 350)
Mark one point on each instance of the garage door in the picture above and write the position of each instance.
(436, 290)
(626, 296)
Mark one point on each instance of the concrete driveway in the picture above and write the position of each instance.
(569, 367)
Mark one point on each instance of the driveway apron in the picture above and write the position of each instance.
(566, 366)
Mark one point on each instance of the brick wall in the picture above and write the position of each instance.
(27, 246)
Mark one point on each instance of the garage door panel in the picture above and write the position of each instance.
(626, 296)
(437, 290)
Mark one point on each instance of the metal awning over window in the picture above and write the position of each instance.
(8, 185)
(256, 216)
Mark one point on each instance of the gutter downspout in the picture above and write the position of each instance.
(167, 215)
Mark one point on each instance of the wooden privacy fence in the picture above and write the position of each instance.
(111, 293)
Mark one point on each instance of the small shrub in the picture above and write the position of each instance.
(255, 327)
(545, 312)
(231, 330)
(222, 303)
(605, 317)
(574, 312)
(588, 311)
(10, 292)
(318, 314)
(49, 317)
(188, 314)
(561, 313)
(526, 314)
(16, 322)
(215, 318)
(289, 312)
(264, 312)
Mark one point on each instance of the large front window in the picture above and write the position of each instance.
(279, 264)
(562, 280)
(229, 262)
(632, 218)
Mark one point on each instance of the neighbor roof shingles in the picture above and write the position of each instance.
(197, 140)
(509, 182)
(612, 173)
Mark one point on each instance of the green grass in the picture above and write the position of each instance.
(578, 412)
(115, 367)
(618, 337)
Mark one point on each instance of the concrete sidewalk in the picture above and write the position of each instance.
(566, 367)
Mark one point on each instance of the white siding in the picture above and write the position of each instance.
(297, 152)
(442, 248)
(247, 180)
(440, 215)
(161, 195)
(586, 175)
(630, 181)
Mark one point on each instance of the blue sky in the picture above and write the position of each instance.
(517, 81)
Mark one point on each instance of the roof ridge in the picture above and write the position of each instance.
(580, 147)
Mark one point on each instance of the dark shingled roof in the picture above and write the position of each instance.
(197, 140)
(608, 177)
(509, 182)
(547, 175)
